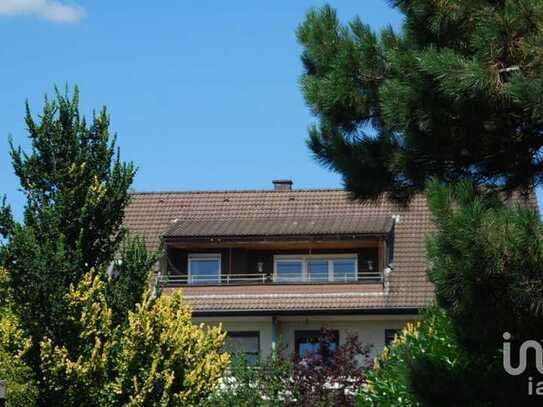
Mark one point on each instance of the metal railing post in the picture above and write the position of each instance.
(155, 286)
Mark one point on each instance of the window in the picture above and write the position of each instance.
(244, 343)
(289, 270)
(389, 336)
(204, 269)
(324, 343)
(344, 270)
(316, 268)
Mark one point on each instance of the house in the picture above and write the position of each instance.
(280, 264)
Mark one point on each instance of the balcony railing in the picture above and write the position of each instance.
(262, 278)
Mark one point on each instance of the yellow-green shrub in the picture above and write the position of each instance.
(390, 381)
(22, 390)
(158, 359)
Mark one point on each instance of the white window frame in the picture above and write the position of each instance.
(205, 256)
(304, 258)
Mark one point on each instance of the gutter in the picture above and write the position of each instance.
(274, 238)
(369, 311)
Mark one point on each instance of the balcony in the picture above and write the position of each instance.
(266, 279)
(270, 265)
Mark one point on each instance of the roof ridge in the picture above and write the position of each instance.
(236, 191)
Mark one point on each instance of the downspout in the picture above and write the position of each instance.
(156, 277)
(389, 255)
(386, 279)
(155, 285)
(274, 335)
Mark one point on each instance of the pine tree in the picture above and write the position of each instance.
(485, 262)
(455, 94)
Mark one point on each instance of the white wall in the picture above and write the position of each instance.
(370, 329)
(261, 324)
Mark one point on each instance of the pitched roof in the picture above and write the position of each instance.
(152, 214)
(251, 228)
(346, 298)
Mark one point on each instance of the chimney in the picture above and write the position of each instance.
(282, 185)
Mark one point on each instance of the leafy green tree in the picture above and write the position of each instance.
(159, 358)
(76, 188)
(129, 277)
(485, 259)
(454, 94)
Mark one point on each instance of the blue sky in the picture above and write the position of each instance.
(202, 94)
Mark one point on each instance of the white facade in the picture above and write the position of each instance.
(370, 329)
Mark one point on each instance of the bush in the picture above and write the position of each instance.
(317, 381)
(22, 389)
(427, 342)
(262, 384)
(285, 381)
(158, 359)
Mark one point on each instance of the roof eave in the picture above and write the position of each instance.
(331, 311)
(275, 238)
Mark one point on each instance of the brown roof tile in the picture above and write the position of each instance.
(152, 214)
(279, 227)
(298, 298)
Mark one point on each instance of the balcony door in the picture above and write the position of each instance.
(204, 268)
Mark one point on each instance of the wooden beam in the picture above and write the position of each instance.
(282, 245)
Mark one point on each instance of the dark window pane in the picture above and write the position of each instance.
(344, 270)
(389, 336)
(243, 343)
(205, 271)
(317, 270)
(251, 358)
(309, 342)
(289, 271)
(235, 343)
(307, 347)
